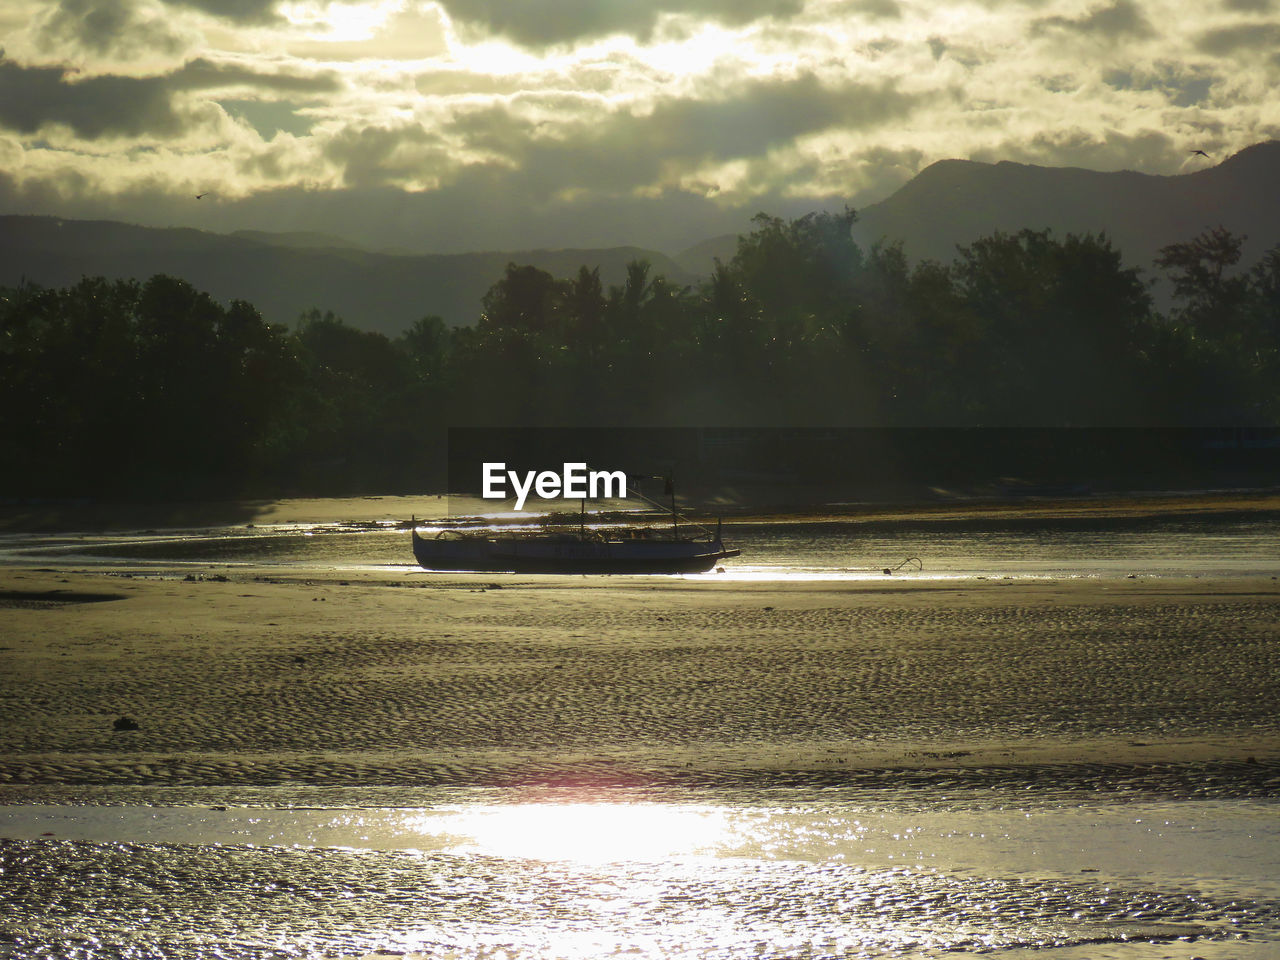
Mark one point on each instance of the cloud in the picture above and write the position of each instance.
(123, 28)
(449, 82)
(502, 161)
(691, 111)
(1245, 36)
(568, 144)
(622, 150)
(553, 22)
(203, 74)
(269, 117)
(1093, 149)
(484, 209)
(410, 33)
(239, 11)
(763, 114)
(1122, 18)
(873, 9)
(34, 97)
(1183, 86)
(376, 156)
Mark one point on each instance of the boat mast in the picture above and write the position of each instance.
(675, 520)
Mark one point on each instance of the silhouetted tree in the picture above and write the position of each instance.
(1057, 319)
(427, 344)
(1201, 270)
(524, 299)
(1220, 356)
(139, 388)
(583, 305)
(155, 388)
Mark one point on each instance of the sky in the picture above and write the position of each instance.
(510, 124)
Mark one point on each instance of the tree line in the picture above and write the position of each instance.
(114, 387)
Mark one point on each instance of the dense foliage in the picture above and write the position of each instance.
(154, 387)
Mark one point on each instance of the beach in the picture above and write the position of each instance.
(257, 677)
(371, 760)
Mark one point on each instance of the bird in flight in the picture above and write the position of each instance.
(201, 196)
(1202, 153)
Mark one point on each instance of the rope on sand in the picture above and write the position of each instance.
(916, 560)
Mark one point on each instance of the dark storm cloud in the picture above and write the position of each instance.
(559, 21)
(106, 27)
(1245, 36)
(33, 97)
(1123, 18)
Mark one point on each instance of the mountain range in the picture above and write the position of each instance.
(949, 203)
(286, 274)
(954, 202)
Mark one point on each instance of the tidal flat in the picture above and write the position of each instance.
(365, 760)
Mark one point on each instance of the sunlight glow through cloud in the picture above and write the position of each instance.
(339, 21)
(701, 106)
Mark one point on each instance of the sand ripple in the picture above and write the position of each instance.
(320, 682)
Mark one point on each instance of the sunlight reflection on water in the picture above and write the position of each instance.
(829, 550)
(584, 832)
(814, 877)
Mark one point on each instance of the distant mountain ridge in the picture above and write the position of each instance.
(954, 202)
(949, 203)
(300, 239)
(284, 275)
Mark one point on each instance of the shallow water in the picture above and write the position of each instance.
(790, 873)
(770, 551)
(1075, 862)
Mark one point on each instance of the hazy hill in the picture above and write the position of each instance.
(951, 202)
(299, 238)
(957, 201)
(286, 274)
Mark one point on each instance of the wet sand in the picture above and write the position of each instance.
(396, 678)
(762, 504)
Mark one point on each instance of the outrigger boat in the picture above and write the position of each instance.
(566, 553)
(583, 550)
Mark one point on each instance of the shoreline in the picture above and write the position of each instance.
(767, 507)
